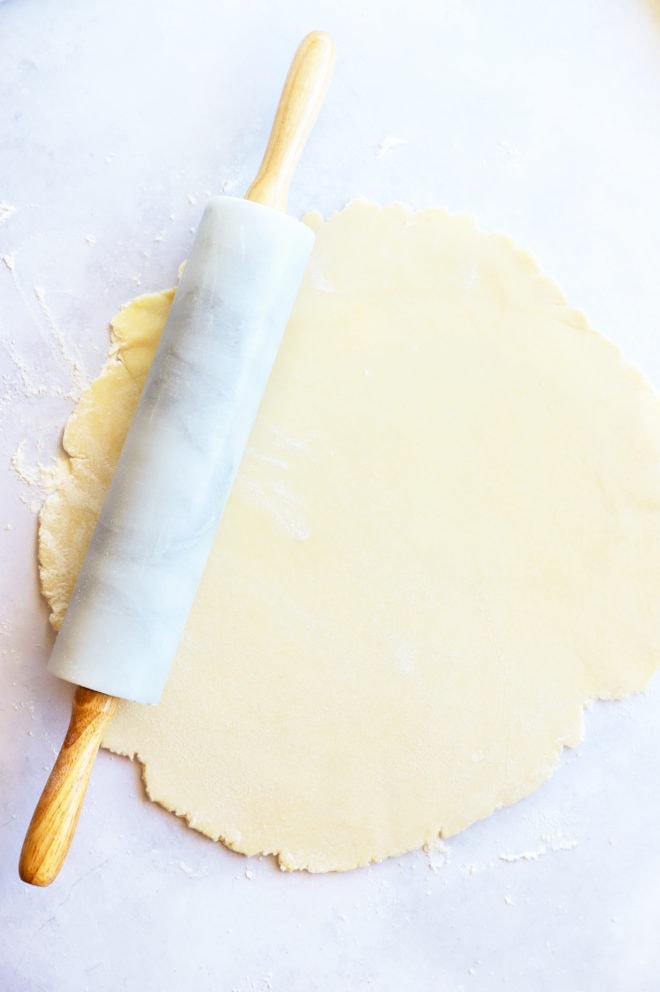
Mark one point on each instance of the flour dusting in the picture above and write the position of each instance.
(6, 211)
(437, 854)
(540, 852)
(55, 359)
(388, 143)
(79, 379)
(26, 464)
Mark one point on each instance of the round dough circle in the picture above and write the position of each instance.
(444, 539)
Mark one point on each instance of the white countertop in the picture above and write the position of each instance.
(118, 120)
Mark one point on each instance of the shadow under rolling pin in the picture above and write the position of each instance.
(156, 528)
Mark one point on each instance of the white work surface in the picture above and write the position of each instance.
(117, 120)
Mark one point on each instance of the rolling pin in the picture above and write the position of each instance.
(146, 557)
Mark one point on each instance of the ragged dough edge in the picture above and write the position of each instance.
(125, 356)
(121, 364)
(399, 210)
(288, 861)
(574, 317)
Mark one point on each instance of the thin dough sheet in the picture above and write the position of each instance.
(443, 541)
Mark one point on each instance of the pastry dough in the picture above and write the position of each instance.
(443, 541)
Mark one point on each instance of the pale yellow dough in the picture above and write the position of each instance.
(444, 539)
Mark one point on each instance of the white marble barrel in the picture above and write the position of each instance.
(157, 525)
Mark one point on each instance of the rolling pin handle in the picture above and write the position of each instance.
(304, 89)
(54, 822)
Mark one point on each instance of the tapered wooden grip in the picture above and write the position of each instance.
(54, 821)
(298, 108)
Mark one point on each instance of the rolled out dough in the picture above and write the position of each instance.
(444, 539)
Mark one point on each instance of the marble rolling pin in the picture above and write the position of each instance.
(145, 560)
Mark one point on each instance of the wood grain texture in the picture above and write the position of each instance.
(304, 89)
(54, 822)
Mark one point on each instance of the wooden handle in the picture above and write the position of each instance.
(53, 825)
(302, 96)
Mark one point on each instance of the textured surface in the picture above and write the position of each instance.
(540, 120)
(444, 539)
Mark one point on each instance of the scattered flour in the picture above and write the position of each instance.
(39, 478)
(388, 143)
(541, 852)
(437, 854)
(6, 211)
(55, 358)
(192, 872)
